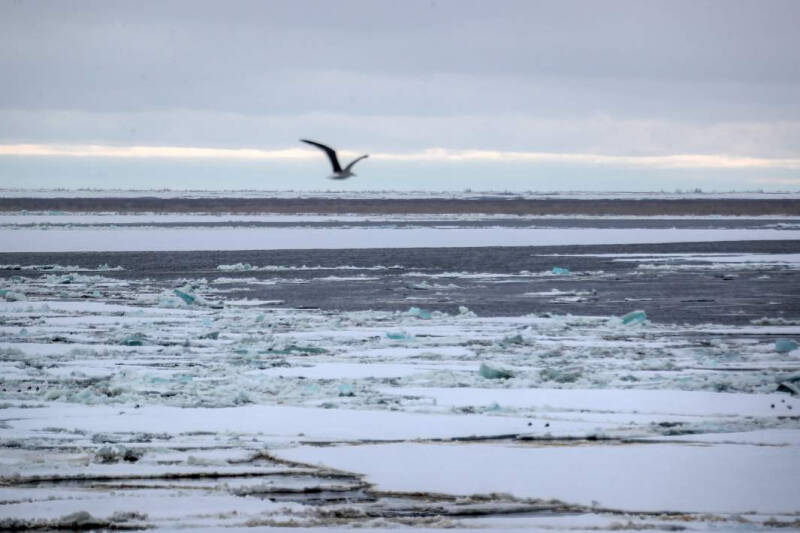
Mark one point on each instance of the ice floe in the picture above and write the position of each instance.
(227, 238)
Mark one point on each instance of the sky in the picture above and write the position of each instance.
(444, 95)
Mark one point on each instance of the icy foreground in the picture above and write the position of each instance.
(127, 403)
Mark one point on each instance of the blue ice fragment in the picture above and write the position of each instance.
(312, 388)
(136, 339)
(346, 390)
(399, 335)
(560, 271)
(515, 339)
(785, 345)
(494, 373)
(634, 317)
(185, 296)
(419, 313)
(11, 296)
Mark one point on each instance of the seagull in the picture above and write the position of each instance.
(339, 173)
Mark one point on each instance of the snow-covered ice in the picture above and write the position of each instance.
(651, 477)
(225, 238)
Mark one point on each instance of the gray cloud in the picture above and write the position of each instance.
(698, 39)
(510, 132)
(169, 52)
(633, 77)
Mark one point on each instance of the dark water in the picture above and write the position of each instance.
(555, 223)
(725, 296)
(511, 205)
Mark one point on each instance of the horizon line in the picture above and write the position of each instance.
(427, 155)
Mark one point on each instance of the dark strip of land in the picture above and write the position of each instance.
(510, 206)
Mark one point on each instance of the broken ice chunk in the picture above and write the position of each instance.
(238, 267)
(399, 335)
(560, 271)
(560, 375)
(167, 299)
(135, 339)
(185, 296)
(490, 372)
(494, 407)
(346, 390)
(785, 345)
(790, 385)
(514, 339)
(419, 313)
(11, 296)
(635, 317)
(109, 454)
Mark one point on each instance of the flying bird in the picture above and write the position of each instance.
(339, 173)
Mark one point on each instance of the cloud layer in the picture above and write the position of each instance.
(438, 155)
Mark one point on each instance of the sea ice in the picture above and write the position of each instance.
(791, 385)
(345, 389)
(11, 296)
(652, 477)
(208, 394)
(399, 336)
(634, 317)
(785, 345)
(121, 239)
(185, 296)
(134, 339)
(490, 372)
(419, 313)
(561, 375)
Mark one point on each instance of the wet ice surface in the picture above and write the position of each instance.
(382, 388)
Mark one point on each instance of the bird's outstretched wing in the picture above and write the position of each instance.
(328, 150)
(354, 161)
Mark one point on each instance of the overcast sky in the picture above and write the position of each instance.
(565, 95)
